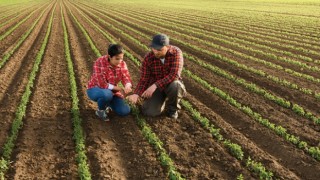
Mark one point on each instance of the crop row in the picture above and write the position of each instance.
(256, 18)
(9, 31)
(227, 39)
(300, 29)
(15, 15)
(250, 23)
(234, 148)
(221, 32)
(78, 135)
(281, 131)
(209, 25)
(258, 90)
(240, 54)
(252, 87)
(314, 151)
(7, 55)
(14, 10)
(7, 13)
(21, 110)
(147, 132)
(278, 80)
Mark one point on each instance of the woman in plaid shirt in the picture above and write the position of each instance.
(108, 71)
(160, 82)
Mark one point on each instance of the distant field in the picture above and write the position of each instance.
(252, 72)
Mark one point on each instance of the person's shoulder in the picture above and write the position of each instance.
(174, 49)
(101, 59)
(149, 56)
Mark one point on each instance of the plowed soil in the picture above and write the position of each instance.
(45, 148)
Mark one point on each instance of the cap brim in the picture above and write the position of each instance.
(157, 47)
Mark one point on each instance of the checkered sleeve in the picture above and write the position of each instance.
(125, 74)
(99, 74)
(144, 78)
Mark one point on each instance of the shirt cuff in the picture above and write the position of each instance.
(110, 86)
(128, 84)
(158, 85)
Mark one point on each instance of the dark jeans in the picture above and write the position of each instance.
(169, 98)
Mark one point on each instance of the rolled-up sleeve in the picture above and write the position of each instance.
(145, 75)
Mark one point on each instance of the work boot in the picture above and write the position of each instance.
(173, 114)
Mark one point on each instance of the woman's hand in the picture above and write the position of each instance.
(127, 89)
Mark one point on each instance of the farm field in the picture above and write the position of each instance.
(251, 69)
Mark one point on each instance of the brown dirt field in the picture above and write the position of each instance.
(273, 112)
(235, 134)
(303, 156)
(301, 82)
(229, 55)
(17, 33)
(192, 66)
(214, 50)
(115, 149)
(286, 154)
(16, 11)
(304, 100)
(14, 75)
(9, 15)
(218, 27)
(45, 148)
(228, 21)
(220, 22)
(215, 26)
(196, 171)
(240, 59)
(296, 97)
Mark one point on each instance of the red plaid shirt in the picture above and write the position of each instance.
(104, 74)
(154, 71)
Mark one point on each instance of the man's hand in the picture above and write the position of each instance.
(148, 93)
(133, 98)
(127, 89)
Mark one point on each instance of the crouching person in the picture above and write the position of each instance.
(160, 82)
(108, 71)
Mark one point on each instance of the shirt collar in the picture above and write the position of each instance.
(170, 50)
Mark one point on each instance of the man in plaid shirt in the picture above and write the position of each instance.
(160, 82)
(108, 71)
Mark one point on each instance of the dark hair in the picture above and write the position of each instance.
(114, 49)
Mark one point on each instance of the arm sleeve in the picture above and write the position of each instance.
(110, 86)
(99, 75)
(126, 78)
(144, 78)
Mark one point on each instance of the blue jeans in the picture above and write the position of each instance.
(105, 98)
